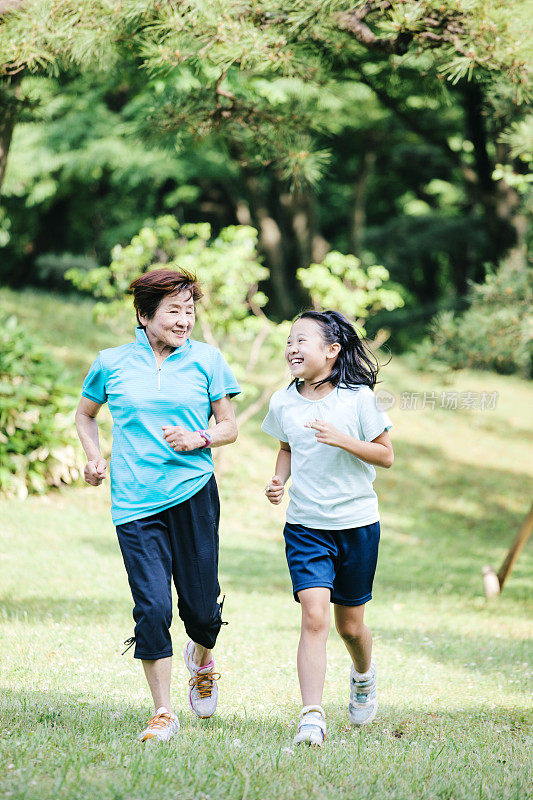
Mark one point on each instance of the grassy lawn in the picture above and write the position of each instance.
(454, 685)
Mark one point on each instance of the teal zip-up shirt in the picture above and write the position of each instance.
(147, 475)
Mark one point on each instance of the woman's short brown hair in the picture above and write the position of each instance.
(150, 288)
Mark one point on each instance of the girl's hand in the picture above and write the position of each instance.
(94, 472)
(181, 440)
(326, 433)
(274, 490)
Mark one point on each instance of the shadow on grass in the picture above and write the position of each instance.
(32, 609)
(252, 569)
(475, 653)
(86, 717)
(104, 546)
(449, 520)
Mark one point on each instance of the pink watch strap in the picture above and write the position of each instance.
(207, 439)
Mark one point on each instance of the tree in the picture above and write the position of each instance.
(224, 49)
(215, 70)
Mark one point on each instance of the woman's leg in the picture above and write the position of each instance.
(355, 634)
(311, 661)
(158, 673)
(193, 527)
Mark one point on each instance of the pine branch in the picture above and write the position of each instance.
(354, 22)
(434, 29)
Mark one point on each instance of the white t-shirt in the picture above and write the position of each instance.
(331, 489)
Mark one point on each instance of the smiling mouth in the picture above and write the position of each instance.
(294, 362)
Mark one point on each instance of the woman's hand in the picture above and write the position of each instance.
(94, 472)
(274, 490)
(181, 440)
(326, 433)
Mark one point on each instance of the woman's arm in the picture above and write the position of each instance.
(378, 452)
(87, 427)
(275, 488)
(223, 432)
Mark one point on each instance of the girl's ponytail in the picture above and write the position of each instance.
(355, 364)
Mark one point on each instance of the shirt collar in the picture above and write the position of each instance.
(141, 339)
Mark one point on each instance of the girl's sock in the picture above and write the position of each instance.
(364, 676)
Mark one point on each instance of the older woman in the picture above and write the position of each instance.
(162, 390)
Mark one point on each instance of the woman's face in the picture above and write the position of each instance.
(173, 320)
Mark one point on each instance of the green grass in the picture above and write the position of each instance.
(455, 707)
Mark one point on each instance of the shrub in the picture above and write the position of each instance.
(36, 417)
(495, 332)
(51, 268)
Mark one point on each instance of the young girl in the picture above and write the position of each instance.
(331, 436)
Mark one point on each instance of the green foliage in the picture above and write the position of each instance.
(495, 332)
(78, 179)
(90, 168)
(339, 282)
(227, 50)
(36, 417)
(52, 267)
(226, 266)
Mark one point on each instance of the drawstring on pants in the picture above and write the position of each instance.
(221, 606)
(130, 642)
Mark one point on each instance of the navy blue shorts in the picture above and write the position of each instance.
(343, 561)
(180, 544)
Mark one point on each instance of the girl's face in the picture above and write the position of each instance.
(307, 354)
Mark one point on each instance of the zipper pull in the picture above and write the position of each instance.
(159, 377)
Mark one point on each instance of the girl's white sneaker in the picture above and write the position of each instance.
(161, 727)
(311, 726)
(363, 704)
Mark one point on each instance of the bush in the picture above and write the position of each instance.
(36, 417)
(495, 332)
(51, 268)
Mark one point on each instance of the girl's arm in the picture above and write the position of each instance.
(274, 490)
(378, 452)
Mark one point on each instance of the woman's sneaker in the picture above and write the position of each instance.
(311, 727)
(363, 703)
(161, 727)
(203, 691)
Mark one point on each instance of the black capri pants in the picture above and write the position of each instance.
(179, 543)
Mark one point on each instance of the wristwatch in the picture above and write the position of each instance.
(207, 439)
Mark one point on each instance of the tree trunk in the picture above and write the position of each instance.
(9, 106)
(358, 220)
(301, 214)
(506, 226)
(271, 245)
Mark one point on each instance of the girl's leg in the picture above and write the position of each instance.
(315, 604)
(356, 636)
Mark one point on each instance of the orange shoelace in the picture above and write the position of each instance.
(159, 720)
(204, 683)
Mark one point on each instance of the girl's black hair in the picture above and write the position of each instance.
(355, 364)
